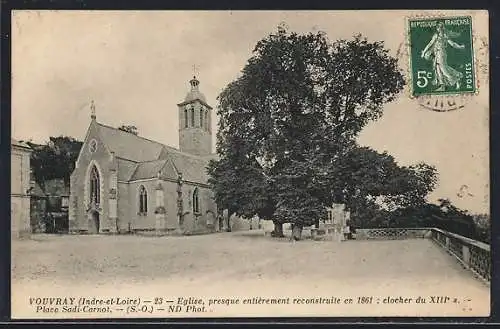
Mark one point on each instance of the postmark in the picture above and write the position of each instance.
(441, 56)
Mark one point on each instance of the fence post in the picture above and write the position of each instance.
(466, 255)
(447, 243)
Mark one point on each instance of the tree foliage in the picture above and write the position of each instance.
(443, 215)
(372, 183)
(240, 186)
(55, 159)
(298, 105)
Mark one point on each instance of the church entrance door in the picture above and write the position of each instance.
(94, 222)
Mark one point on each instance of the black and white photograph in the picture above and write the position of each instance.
(227, 164)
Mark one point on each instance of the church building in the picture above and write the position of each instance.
(123, 182)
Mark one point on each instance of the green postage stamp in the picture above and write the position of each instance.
(441, 55)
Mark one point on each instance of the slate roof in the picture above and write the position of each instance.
(193, 168)
(194, 95)
(126, 169)
(141, 158)
(129, 146)
(148, 169)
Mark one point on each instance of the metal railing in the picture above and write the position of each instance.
(473, 255)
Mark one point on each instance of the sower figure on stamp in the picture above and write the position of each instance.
(444, 75)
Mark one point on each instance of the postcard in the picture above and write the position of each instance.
(202, 164)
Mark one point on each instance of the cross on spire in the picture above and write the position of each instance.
(92, 110)
(195, 69)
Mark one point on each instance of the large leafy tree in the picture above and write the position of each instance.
(240, 186)
(55, 159)
(299, 103)
(373, 185)
(443, 215)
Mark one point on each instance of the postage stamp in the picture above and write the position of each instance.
(441, 56)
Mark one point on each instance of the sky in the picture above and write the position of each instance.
(136, 66)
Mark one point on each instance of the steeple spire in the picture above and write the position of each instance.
(92, 110)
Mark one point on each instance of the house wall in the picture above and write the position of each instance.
(20, 199)
(242, 224)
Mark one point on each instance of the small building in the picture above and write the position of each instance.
(49, 207)
(21, 186)
(57, 196)
(337, 221)
(38, 202)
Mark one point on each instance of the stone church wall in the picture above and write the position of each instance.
(140, 221)
(170, 196)
(124, 208)
(78, 221)
(148, 222)
(205, 221)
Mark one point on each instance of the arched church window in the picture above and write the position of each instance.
(186, 120)
(196, 201)
(201, 118)
(94, 185)
(143, 200)
(192, 117)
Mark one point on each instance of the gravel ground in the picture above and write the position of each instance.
(246, 264)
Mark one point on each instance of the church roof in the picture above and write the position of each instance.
(148, 169)
(141, 158)
(129, 146)
(194, 95)
(126, 169)
(193, 169)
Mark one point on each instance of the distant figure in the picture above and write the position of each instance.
(347, 232)
(221, 223)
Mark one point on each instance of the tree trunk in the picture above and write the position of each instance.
(221, 223)
(278, 230)
(297, 232)
(228, 227)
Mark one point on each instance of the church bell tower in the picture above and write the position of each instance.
(195, 122)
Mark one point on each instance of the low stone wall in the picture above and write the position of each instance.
(392, 233)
